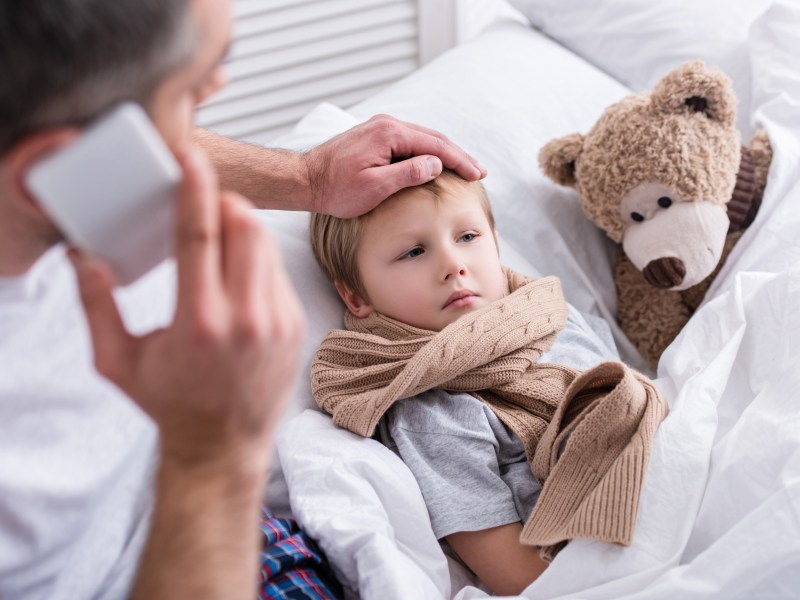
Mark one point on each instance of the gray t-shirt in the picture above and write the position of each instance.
(471, 468)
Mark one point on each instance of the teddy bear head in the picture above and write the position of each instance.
(656, 172)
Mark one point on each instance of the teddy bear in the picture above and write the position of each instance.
(664, 174)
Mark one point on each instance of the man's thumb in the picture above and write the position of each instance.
(423, 168)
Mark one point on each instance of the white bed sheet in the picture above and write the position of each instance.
(720, 511)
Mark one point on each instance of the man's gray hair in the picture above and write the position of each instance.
(67, 61)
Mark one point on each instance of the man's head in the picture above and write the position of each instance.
(66, 62)
(425, 256)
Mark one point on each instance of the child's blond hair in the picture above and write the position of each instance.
(335, 241)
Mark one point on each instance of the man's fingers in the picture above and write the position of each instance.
(414, 140)
(111, 342)
(410, 172)
(452, 157)
(197, 238)
(243, 256)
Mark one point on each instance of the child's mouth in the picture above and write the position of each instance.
(460, 299)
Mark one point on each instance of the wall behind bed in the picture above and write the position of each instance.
(289, 55)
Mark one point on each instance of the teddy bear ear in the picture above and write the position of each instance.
(693, 87)
(557, 158)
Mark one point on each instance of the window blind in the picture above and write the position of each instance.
(288, 56)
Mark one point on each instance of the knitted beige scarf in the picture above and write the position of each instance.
(587, 436)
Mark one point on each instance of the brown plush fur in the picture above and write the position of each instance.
(653, 317)
(682, 137)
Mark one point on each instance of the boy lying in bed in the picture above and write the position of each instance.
(464, 368)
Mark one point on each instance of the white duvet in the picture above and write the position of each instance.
(720, 511)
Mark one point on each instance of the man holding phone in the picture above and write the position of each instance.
(146, 481)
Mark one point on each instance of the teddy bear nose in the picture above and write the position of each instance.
(665, 272)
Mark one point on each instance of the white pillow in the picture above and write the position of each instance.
(637, 42)
(323, 308)
(322, 123)
(363, 505)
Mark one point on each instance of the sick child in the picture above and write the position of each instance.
(460, 366)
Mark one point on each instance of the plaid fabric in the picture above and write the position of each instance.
(292, 566)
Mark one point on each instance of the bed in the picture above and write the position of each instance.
(720, 510)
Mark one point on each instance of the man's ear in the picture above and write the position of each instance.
(557, 158)
(29, 151)
(355, 303)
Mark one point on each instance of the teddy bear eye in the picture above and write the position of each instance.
(638, 217)
(665, 202)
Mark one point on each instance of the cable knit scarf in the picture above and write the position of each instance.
(587, 436)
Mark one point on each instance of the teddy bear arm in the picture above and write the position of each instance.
(649, 316)
(761, 151)
(750, 182)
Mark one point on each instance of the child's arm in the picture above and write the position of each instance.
(498, 558)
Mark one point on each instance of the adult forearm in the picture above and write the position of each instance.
(345, 176)
(204, 534)
(270, 178)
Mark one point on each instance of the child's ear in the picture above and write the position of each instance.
(354, 302)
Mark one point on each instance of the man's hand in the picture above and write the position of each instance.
(217, 380)
(353, 172)
(346, 176)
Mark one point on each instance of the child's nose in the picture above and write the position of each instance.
(453, 265)
(460, 271)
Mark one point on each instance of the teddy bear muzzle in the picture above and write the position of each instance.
(678, 246)
(665, 273)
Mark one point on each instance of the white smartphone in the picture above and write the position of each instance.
(112, 192)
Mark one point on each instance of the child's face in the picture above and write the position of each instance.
(426, 262)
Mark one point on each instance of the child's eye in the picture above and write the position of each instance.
(413, 253)
(468, 237)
